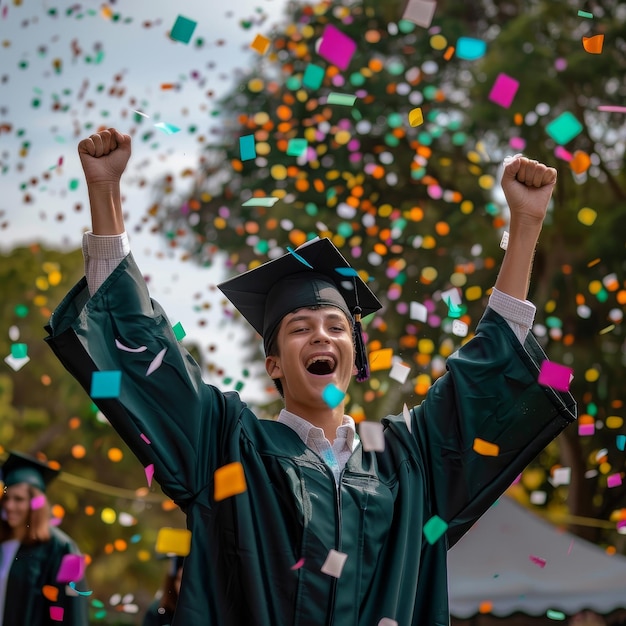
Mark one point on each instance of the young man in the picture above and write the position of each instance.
(325, 532)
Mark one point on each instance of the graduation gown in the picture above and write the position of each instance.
(34, 566)
(256, 557)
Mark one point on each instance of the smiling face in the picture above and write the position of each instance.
(16, 507)
(314, 349)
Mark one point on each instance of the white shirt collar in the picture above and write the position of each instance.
(308, 432)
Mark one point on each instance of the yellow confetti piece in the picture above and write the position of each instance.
(380, 359)
(587, 216)
(229, 481)
(261, 44)
(416, 117)
(485, 448)
(173, 541)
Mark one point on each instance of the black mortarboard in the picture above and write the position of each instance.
(20, 468)
(314, 274)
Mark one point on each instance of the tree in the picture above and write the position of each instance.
(415, 206)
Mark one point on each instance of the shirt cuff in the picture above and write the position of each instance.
(519, 314)
(102, 254)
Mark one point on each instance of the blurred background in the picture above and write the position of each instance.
(402, 175)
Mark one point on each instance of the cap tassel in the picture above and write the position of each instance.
(362, 365)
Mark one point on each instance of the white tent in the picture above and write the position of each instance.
(519, 562)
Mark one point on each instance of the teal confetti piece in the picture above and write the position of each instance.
(247, 148)
(298, 257)
(585, 14)
(19, 350)
(80, 593)
(106, 384)
(168, 129)
(346, 271)
(620, 442)
(470, 49)
(183, 29)
(313, 76)
(297, 147)
(555, 615)
(564, 128)
(344, 99)
(265, 202)
(333, 396)
(73, 184)
(434, 528)
(179, 331)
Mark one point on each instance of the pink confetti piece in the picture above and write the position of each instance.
(120, 346)
(145, 438)
(609, 108)
(149, 469)
(333, 565)
(336, 47)
(56, 613)
(614, 480)
(571, 547)
(156, 362)
(555, 376)
(38, 502)
(503, 91)
(537, 560)
(298, 564)
(561, 153)
(72, 568)
(586, 430)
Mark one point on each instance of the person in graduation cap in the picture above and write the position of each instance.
(31, 551)
(313, 528)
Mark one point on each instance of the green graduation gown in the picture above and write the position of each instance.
(243, 550)
(35, 566)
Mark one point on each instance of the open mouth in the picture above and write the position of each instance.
(321, 365)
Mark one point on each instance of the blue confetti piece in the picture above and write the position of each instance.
(470, 49)
(620, 442)
(346, 271)
(298, 257)
(168, 129)
(80, 593)
(297, 147)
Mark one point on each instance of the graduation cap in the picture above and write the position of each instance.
(20, 468)
(314, 274)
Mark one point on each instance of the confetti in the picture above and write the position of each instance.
(399, 371)
(561, 476)
(179, 332)
(333, 396)
(485, 448)
(50, 592)
(72, 586)
(121, 346)
(386, 621)
(336, 47)
(38, 502)
(470, 49)
(380, 359)
(407, 417)
(434, 529)
(247, 148)
(229, 480)
(298, 564)
(614, 480)
(537, 560)
(420, 12)
(72, 567)
(261, 44)
(344, 99)
(594, 44)
(333, 565)
(416, 117)
(564, 128)
(168, 129)
(16, 364)
(173, 541)
(19, 350)
(555, 615)
(585, 14)
(149, 470)
(297, 147)
(183, 29)
(156, 362)
(266, 202)
(56, 613)
(503, 90)
(418, 311)
(313, 76)
(106, 384)
(609, 108)
(555, 375)
(372, 436)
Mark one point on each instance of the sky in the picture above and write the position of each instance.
(67, 68)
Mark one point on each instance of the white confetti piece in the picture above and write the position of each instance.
(407, 416)
(504, 242)
(561, 476)
(418, 311)
(399, 371)
(372, 437)
(333, 565)
(121, 346)
(16, 364)
(459, 328)
(156, 362)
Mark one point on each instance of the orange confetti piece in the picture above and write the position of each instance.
(485, 448)
(167, 86)
(448, 53)
(106, 12)
(261, 44)
(229, 481)
(485, 607)
(380, 359)
(580, 162)
(173, 541)
(50, 592)
(594, 44)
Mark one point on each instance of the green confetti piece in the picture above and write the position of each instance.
(313, 76)
(344, 99)
(74, 183)
(19, 350)
(183, 29)
(555, 615)
(297, 147)
(179, 331)
(564, 128)
(168, 129)
(434, 528)
(265, 202)
(247, 148)
(21, 310)
(585, 14)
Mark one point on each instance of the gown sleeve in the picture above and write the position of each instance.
(152, 392)
(482, 422)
